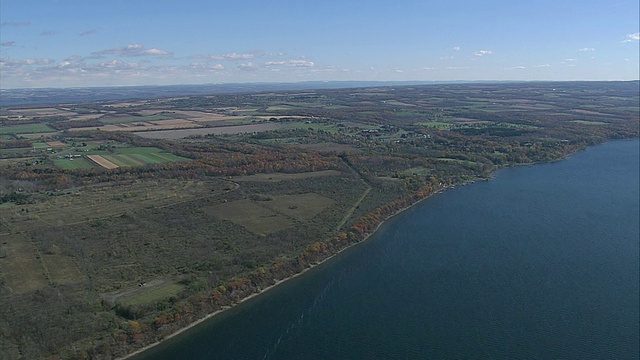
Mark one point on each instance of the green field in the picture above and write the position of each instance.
(435, 124)
(124, 156)
(76, 163)
(585, 122)
(40, 145)
(25, 129)
(151, 293)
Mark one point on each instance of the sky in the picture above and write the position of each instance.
(84, 43)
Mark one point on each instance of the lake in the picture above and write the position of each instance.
(541, 262)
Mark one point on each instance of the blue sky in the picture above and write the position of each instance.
(65, 43)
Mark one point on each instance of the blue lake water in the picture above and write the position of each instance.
(541, 262)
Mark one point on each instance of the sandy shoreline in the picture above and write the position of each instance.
(217, 312)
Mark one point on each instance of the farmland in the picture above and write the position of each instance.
(123, 221)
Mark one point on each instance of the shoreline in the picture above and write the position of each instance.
(281, 281)
(278, 282)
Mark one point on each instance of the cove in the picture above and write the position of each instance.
(541, 262)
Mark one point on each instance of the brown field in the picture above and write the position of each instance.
(183, 133)
(589, 112)
(150, 112)
(237, 110)
(42, 112)
(56, 144)
(299, 206)
(86, 117)
(144, 126)
(20, 265)
(252, 216)
(275, 177)
(102, 161)
(282, 116)
(127, 104)
(201, 116)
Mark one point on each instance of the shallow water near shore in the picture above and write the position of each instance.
(540, 262)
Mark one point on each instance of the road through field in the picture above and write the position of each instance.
(353, 208)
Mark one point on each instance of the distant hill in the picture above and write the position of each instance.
(57, 95)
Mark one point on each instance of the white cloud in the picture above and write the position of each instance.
(88, 32)
(248, 66)
(515, 68)
(571, 59)
(294, 63)
(154, 51)
(632, 37)
(587, 49)
(483, 52)
(19, 62)
(48, 33)
(132, 50)
(456, 48)
(231, 56)
(15, 23)
(206, 66)
(456, 67)
(446, 58)
(542, 66)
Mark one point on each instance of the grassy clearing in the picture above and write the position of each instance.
(40, 145)
(20, 265)
(151, 294)
(25, 129)
(299, 206)
(416, 171)
(62, 269)
(253, 217)
(585, 122)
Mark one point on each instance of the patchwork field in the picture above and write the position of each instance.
(123, 156)
(181, 134)
(143, 126)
